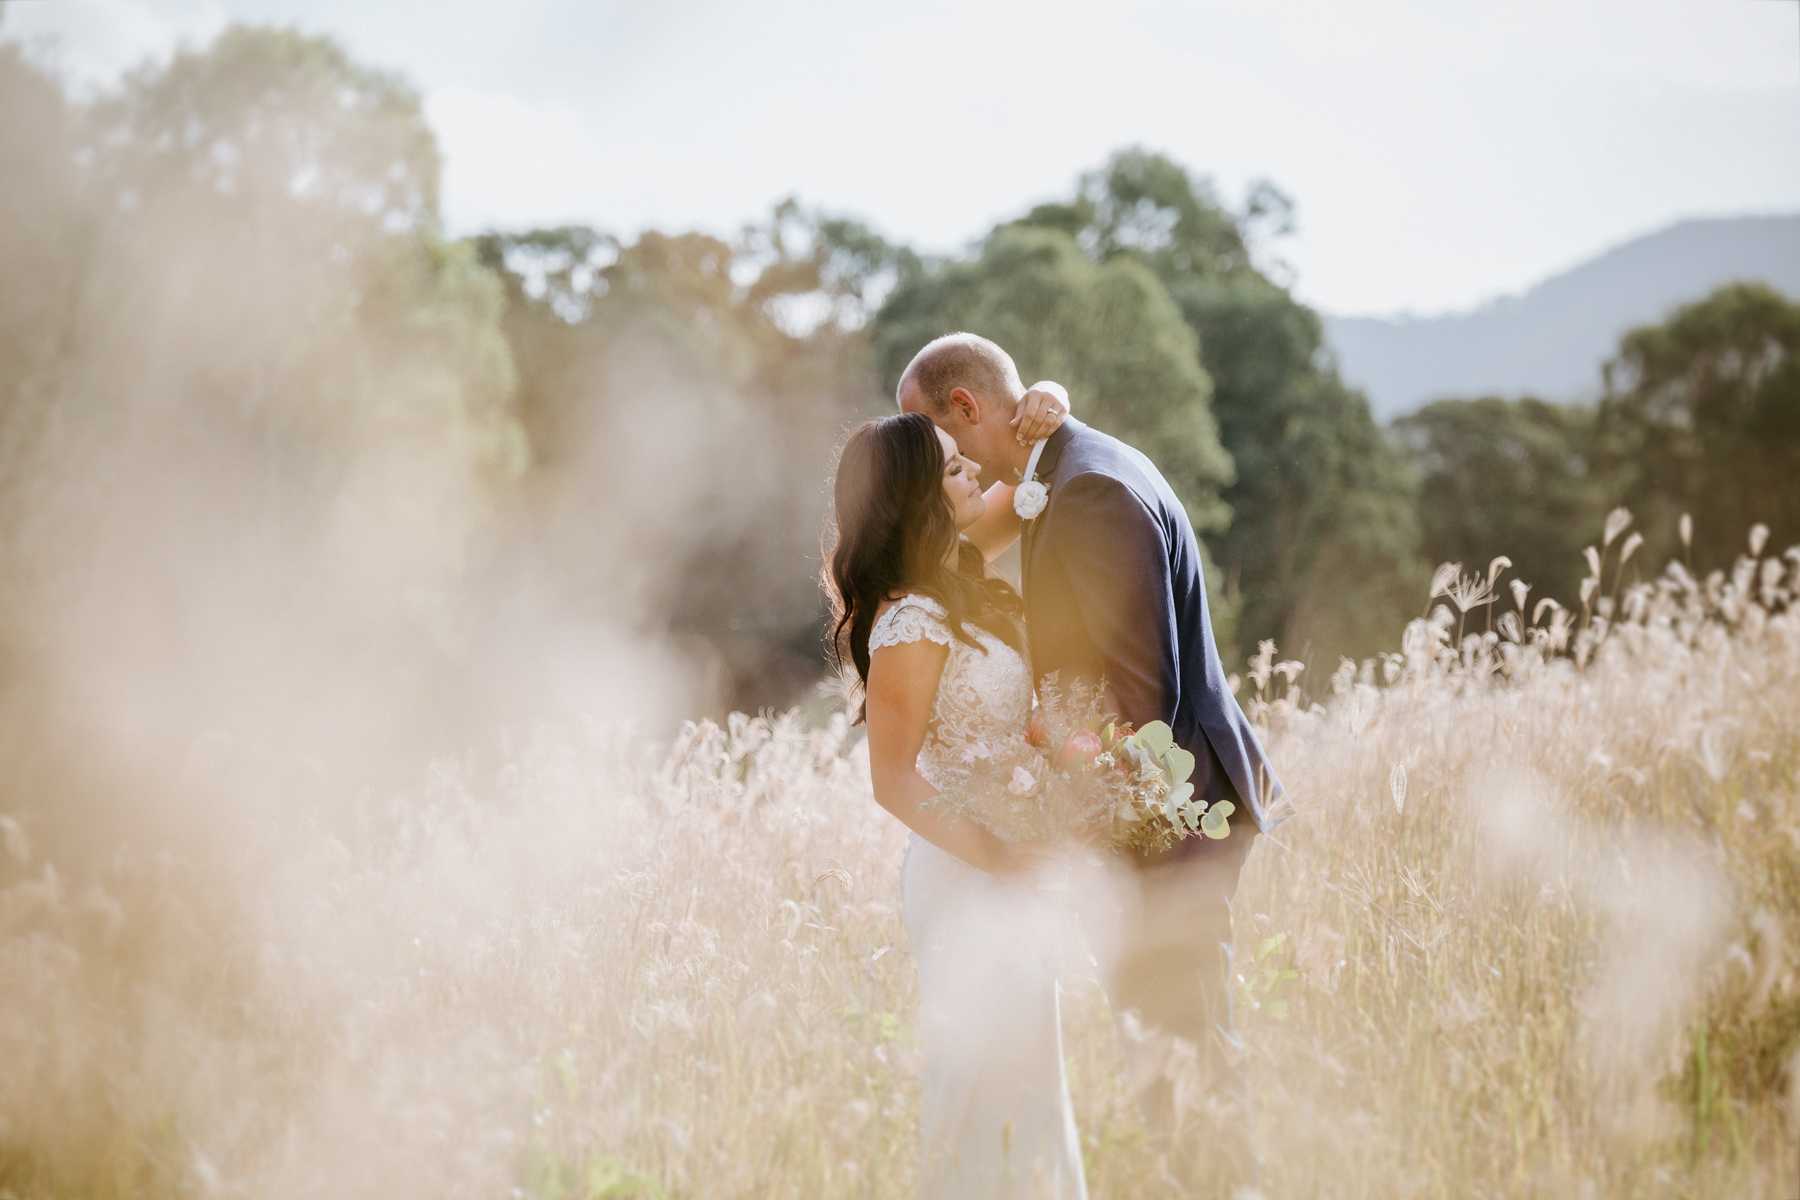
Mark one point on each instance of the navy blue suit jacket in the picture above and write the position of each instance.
(1114, 591)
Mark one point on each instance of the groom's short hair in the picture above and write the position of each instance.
(962, 360)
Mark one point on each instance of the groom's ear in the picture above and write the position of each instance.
(964, 404)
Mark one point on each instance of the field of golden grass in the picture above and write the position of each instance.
(1538, 902)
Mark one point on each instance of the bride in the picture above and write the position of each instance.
(936, 641)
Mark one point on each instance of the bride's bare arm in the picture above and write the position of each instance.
(903, 681)
(1040, 414)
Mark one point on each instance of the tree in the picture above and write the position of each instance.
(1511, 477)
(301, 188)
(248, 456)
(1701, 415)
(44, 221)
(700, 385)
(1321, 549)
(1106, 330)
(1148, 206)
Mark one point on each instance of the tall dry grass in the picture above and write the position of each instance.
(1538, 900)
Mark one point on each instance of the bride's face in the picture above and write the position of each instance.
(962, 485)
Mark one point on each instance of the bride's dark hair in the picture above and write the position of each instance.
(895, 527)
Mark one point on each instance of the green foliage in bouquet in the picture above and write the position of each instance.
(1136, 779)
(1076, 773)
(1149, 756)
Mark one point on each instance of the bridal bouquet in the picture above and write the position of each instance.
(1075, 774)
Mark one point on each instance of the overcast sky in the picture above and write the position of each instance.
(1441, 152)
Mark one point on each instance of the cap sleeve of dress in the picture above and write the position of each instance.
(911, 619)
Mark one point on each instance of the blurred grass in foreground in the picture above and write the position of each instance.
(1540, 914)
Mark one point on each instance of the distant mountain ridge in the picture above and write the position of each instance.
(1551, 341)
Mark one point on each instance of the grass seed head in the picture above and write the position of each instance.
(1616, 521)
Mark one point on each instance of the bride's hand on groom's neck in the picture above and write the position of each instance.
(1041, 412)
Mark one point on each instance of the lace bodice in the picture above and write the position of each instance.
(980, 698)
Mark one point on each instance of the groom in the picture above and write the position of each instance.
(1115, 592)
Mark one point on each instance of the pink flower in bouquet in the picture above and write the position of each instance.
(1082, 748)
(976, 750)
(1036, 730)
(1023, 782)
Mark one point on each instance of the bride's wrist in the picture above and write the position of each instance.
(1007, 859)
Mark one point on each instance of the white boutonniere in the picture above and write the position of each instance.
(1031, 497)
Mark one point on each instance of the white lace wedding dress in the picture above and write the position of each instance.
(996, 1122)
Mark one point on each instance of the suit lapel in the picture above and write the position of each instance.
(1034, 529)
(1046, 469)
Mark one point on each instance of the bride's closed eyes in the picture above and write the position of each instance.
(962, 484)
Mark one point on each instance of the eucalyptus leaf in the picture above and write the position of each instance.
(1214, 824)
(1156, 737)
(1179, 763)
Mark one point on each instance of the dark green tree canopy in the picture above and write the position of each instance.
(1150, 206)
(1701, 414)
(1321, 549)
(1107, 330)
(1511, 477)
